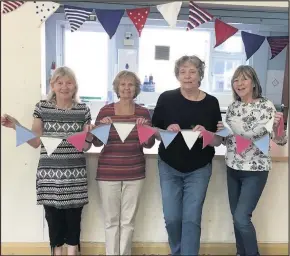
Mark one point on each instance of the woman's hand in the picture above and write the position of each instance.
(106, 120)
(198, 128)
(277, 118)
(9, 121)
(141, 121)
(89, 127)
(173, 128)
(220, 126)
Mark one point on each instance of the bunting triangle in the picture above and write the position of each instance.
(197, 16)
(138, 16)
(263, 144)
(252, 43)
(280, 129)
(190, 137)
(23, 135)
(78, 140)
(242, 143)
(50, 144)
(102, 132)
(110, 20)
(45, 9)
(76, 16)
(277, 44)
(224, 132)
(10, 6)
(207, 138)
(145, 133)
(170, 12)
(167, 137)
(223, 31)
(123, 129)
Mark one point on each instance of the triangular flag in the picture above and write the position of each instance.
(77, 16)
(197, 16)
(207, 138)
(280, 129)
(224, 132)
(242, 143)
(144, 133)
(277, 44)
(102, 132)
(190, 137)
(124, 129)
(45, 9)
(269, 125)
(263, 144)
(223, 31)
(167, 137)
(138, 16)
(170, 12)
(77, 140)
(252, 43)
(23, 135)
(50, 144)
(10, 6)
(110, 20)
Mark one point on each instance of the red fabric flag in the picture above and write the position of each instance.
(280, 127)
(9, 6)
(144, 133)
(277, 44)
(242, 143)
(207, 138)
(138, 17)
(197, 16)
(223, 31)
(78, 140)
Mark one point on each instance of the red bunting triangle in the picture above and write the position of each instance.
(207, 138)
(138, 16)
(223, 31)
(78, 140)
(242, 143)
(144, 133)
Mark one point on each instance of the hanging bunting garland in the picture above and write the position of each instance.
(138, 16)
(223, 31)
(252, 43)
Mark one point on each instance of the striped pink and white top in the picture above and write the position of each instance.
(122, 161)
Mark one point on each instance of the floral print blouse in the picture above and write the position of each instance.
(249, 120)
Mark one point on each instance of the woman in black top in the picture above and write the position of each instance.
(185, 174)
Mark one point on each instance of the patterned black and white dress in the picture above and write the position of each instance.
(61, 179)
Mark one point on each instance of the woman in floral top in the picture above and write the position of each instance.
(250, 116)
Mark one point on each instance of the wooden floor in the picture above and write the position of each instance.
(220, 249)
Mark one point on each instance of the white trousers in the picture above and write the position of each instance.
(120, 201)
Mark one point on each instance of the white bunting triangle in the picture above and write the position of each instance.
(170, 12)
(123, 129)
(190, 137)
(269, 125)
(45, 9)
(50, 144)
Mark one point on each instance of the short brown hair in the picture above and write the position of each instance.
(247, 71)
(125, 74)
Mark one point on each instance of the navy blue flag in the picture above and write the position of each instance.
(277, 44)
(252, 43)
(110, 20)
(77, 16)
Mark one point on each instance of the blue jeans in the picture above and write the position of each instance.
(183, 196)
(244, 191)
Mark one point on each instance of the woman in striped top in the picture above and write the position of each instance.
(121, 165)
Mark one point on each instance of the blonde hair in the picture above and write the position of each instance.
(61, 72)
(126, 74)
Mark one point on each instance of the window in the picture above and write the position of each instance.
(86, 52)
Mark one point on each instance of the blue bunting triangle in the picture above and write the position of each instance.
(23, 135)
(110, 20)
(263, 144)
(167, 137)
(252, 43)
(102, 132)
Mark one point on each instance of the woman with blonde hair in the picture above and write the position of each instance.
(121, 165)
(247, 172)
(61, 179)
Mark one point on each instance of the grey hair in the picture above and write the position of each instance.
(59, 73)
(249, 72)
(126, 74)
(194, 60)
